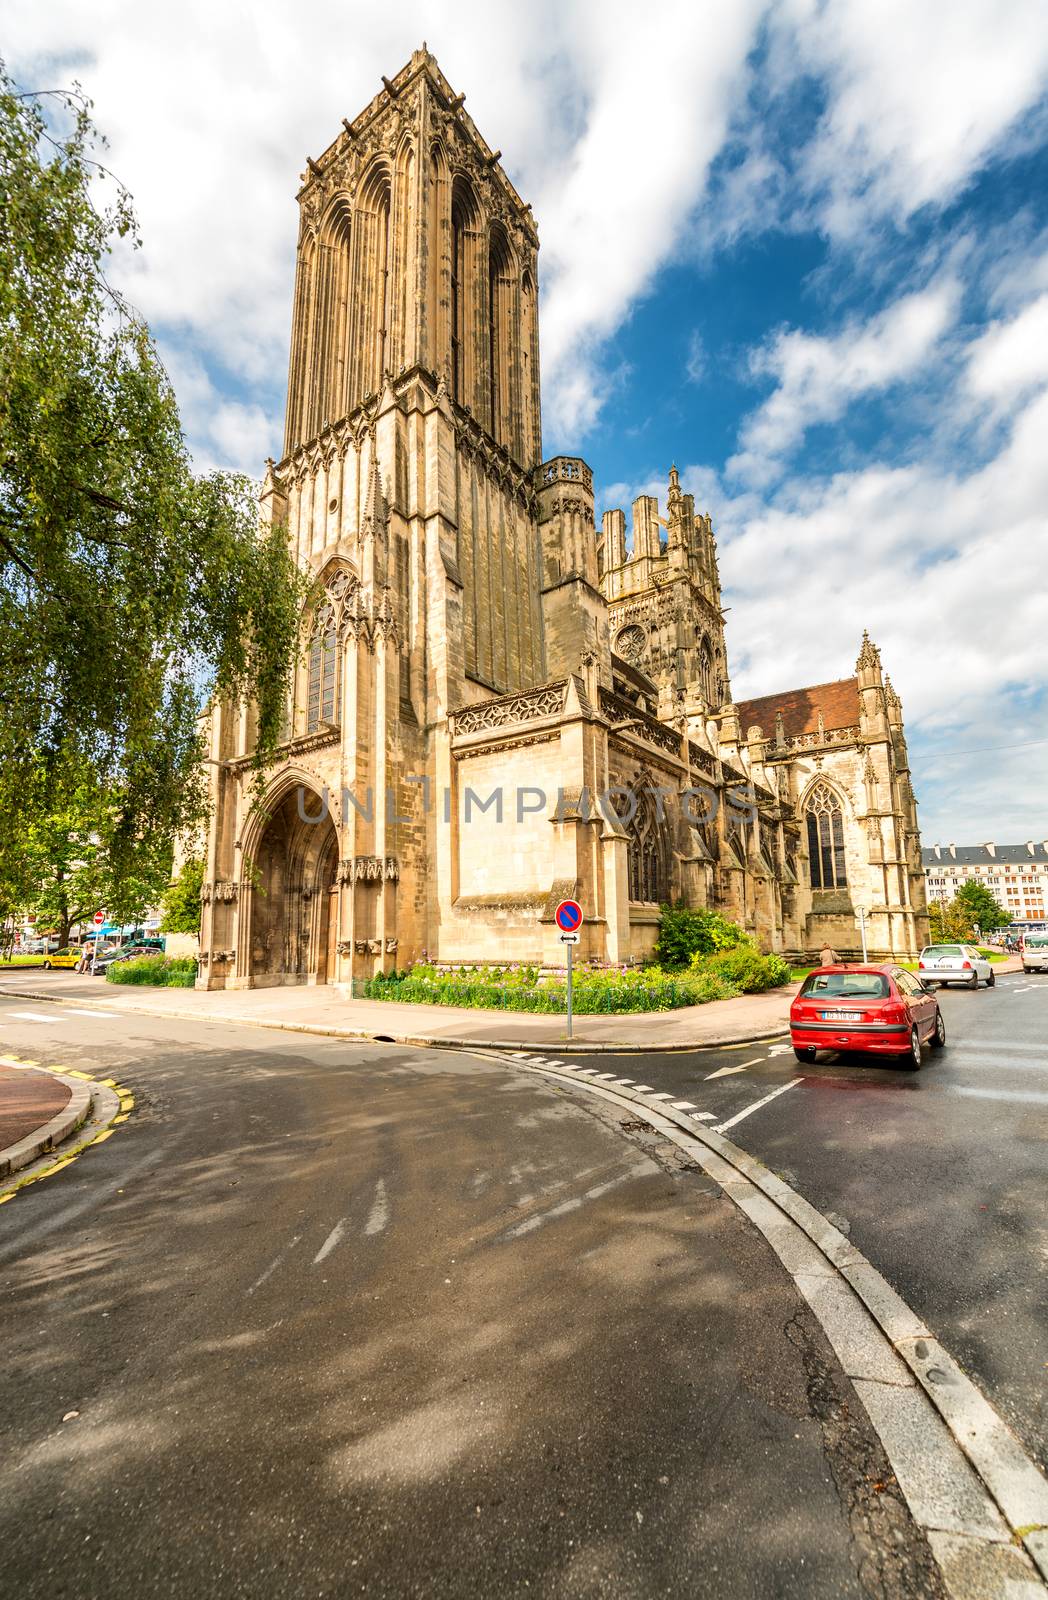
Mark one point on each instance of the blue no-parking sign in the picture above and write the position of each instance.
(568, 916)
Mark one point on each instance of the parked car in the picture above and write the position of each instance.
(955, 963)
(1035, 952)
(67, 957)
(883, 1010)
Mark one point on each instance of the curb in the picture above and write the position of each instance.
(50, 1134)
(970, 1486)
(428, 1041)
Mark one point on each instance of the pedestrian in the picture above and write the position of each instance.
(828, 956)
(87, 955)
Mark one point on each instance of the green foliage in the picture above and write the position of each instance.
(978, 906)
(495, 989)
(684, 932)
(158, 971)
(130, 590)
(745, 968)
(181, 907)
(78, 858)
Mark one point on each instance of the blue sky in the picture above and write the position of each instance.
(799, 248)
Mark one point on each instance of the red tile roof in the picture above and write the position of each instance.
(838, 702)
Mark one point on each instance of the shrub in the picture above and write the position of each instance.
(178, 972)
(746, 968)
(490, 988)
(685, 932)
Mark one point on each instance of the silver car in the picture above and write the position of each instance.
(1035, 952)
(955, 963)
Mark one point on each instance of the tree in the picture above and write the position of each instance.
(130, 590)
(182, 900)
(948, 923)
(980, 908)
(77, 862)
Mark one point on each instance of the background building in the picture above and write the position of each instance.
(1015, 874)
(483, 664)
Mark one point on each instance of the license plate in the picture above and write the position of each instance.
(840, 1016)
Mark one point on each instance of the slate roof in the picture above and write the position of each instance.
(838, 701)
(972, 855)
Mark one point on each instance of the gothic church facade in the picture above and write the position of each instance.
(498, 705)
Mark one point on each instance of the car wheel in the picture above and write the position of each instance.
(805, 1053)
(46, 966)
(912, 1058)
(991, 981)
(938, 1036)
(973, 981)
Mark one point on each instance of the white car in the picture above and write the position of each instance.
(955, 963)
(1035, 952)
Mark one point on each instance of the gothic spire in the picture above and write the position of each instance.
(869, 655)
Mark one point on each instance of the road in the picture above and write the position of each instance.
(940, 1177)
(321, 1319)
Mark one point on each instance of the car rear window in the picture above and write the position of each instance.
(942, 950)
(1037, 941)
(854, 985)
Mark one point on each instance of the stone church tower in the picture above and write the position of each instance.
(480, 664)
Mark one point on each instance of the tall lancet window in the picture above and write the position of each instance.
(321, 692)
(500, 336)
(465, 235)
(825, 824)
(373, 281)
(643, 853)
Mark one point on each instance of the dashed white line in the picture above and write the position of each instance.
(274, 1264)
(33, 1016)
(378, 1218)
(684, 1105)
(334, 1238)
(82, 1011)
(723, 1126)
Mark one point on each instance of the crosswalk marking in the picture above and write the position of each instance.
(33, 1016)
(81, 1011)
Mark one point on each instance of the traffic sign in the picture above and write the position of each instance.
(568, 916)
(98, 918)
(570, 938)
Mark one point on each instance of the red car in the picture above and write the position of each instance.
(857, 1007)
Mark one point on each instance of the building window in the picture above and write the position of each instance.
(323, 658)
(825, 839)
(644, 856)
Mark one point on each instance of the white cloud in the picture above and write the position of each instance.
(1012, 356)
(818, 377)
(695, 365)
(920, 97)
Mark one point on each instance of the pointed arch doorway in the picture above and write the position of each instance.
(293, 896)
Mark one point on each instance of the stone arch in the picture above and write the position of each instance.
(289, 892)
(372, 278)
(646, 854)
(467, 238)
(823, 809)
(503, 332)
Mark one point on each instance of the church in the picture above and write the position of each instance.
(499, 702)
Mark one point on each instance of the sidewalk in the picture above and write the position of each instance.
(37, 1111)
(326, 1010)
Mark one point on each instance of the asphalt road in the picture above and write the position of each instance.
(321, 1320)
(940, 1177)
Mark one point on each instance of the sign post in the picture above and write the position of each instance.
(861, 913)
(568, 917)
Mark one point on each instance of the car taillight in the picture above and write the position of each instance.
(920, 966)
(966, 966)
(894, 1014)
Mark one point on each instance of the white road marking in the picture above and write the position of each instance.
(1031, 1097)
(34, 1016)
(81, 1011)
(779, 1049)
(726, 1072)
(684, 1105)
(645, 1088)
(703, 1116)
(641, 1169)
(379, 1216)
(334, 1238)
(274, 1264)
(662, 1097)
(723, 1126)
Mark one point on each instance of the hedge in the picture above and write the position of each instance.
(176, 972)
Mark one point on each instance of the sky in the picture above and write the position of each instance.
(798, 248)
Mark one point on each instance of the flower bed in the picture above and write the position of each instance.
(593, 992)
